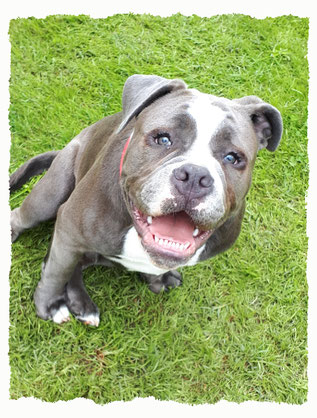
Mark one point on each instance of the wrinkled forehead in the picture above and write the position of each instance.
(168, 110)
(200, 116)
(207, 116)
(220, 119)
(187, 108)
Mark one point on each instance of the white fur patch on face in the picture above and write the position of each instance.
(208, 119)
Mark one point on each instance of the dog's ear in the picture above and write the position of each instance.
(266, 119)
(140, 91)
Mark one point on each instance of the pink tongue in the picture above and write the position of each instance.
(175, 227)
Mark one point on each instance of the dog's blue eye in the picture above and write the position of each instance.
(231, 158)
(163, 140)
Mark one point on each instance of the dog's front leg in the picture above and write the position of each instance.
(57, 269)
(164, 281)
(78, 300)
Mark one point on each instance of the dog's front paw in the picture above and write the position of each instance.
(171, 279)
(56, 311)
(89, 319)
(81, 306)
(61, 315)
(164, 282)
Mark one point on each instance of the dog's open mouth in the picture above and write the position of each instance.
(170, 236)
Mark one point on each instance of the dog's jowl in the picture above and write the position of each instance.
(158, 186)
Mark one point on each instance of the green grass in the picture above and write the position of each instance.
(237, 328)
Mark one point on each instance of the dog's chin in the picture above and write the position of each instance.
(170, 240)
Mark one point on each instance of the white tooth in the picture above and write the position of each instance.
(196, 232)
(173, 244)
(166, 242)
(161, 242)
(186, 245)
(177, 246)
(149, 220)
(156, 239)
(181, 247)
(169, 243)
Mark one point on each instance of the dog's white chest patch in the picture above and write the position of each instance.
(135, 258)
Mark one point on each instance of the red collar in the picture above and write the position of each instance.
(123, 153)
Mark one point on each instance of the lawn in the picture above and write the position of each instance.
(237, 328)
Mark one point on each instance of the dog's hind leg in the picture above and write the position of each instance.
(48, 194)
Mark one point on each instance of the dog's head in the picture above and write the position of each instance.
(189, 162)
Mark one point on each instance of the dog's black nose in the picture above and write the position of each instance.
(192, 181)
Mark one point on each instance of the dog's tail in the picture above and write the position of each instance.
(31, 168)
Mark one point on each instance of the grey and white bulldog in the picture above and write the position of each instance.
(158, 186)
